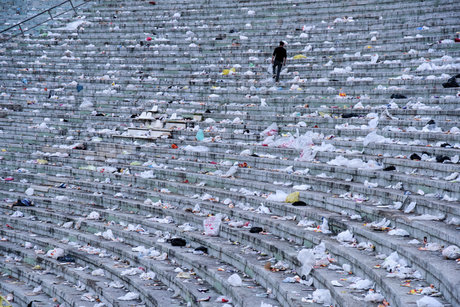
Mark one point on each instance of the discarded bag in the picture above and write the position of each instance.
(66, 258)
(199, 135)
(349, 115)
(178, 242)
(23, 202)
(201, 249)
(398, 96)
(299, 203)
(299, 56)
(235, 280)
(226, 72)
(293, 197)
(451, 82)
(211, 225)
(256, 229)
(442, 158)
(389, 168)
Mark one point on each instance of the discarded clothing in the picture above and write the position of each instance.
(299, 203)
(255, 229)
(451, 82)
(398, 96)
(178, 242)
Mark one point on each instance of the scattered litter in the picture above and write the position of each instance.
(130, 296)
(235, 280)
(93, 216)
(451, 252)
(322, 296)
(398, 232)
(98, 272)
(428, 301)
(55, 253)
(178, 242)
(292, 198)
(211, 225)
(363, 284)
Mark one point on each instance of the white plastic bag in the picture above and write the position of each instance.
(98, 272)
(307, 258)
(428, 301)
(270, 69)
(29, 192)
(363, 284)
(55, 253)
(279, 196)
(322, 296)
(271, 130)
(451, 252)
(235, 280)
(345, 236)
(108, 235)
(130, 296)
(93, 216)
(211, 225)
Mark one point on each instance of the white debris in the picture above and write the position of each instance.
(93, 216)
(302, 187)
(130, 296)
(428, 217)
(322, 296)
(271, 130)
(29, 192)
(307, 258)
(335, 283)
(451, 252)
(398, 232)
(98, 272)
(355, 163)
(428, 301)
(147, 174)
(410, 208)
(17, 214)
(67, 225)
(37, 289)
(55, 253)
(86, 104)
(373, 297)
(373, 137)
(363, 284)
(108, 235)
(279, 196)
(131, 272)
(196, 148)
(147, 275)
(232, 170)
(346, 267)
(235, 280)
(345, 236)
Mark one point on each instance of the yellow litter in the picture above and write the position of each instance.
(299, 56)
(4, 302)
(293, 197)
(227, 71)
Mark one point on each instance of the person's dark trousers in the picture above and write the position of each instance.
(277, 71)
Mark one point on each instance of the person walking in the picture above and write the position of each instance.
(278, 60)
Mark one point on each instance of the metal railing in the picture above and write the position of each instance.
(19, 25)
